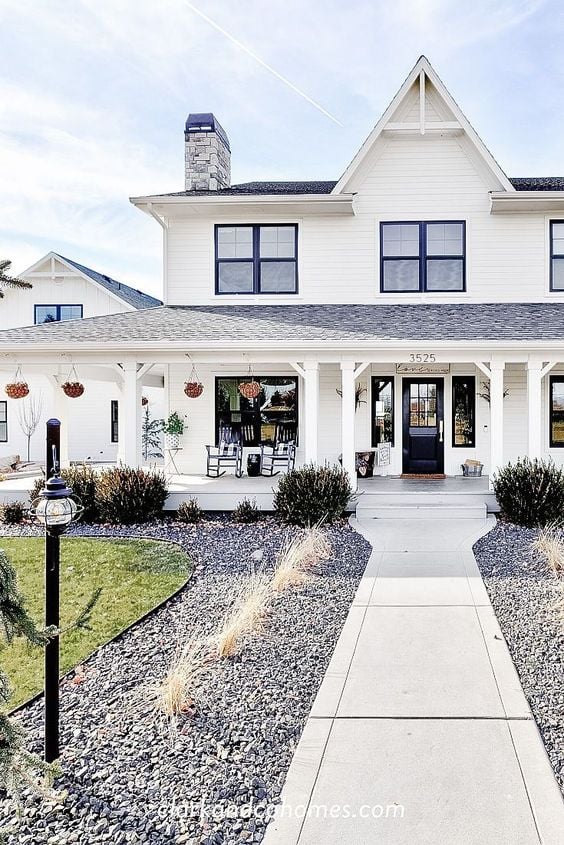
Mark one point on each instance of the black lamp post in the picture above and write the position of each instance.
(55, 509)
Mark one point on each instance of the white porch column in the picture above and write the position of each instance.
(496, 415)
(60, 412)
(534, 385)
(311, 411)
(129, 416)
(347, 419)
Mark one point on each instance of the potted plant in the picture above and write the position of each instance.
(173, 428)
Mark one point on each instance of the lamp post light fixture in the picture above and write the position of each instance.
(55, 509)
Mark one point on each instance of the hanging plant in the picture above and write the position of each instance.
(193, 387)
(18, 388)
(250, 389)
(73, 388)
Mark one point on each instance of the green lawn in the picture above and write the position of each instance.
(135, 575)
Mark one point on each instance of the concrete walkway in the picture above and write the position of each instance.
(420, 733)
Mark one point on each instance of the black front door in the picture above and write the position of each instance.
(423, 426)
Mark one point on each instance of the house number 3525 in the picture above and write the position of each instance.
(422, 358)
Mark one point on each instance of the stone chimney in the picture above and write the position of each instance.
(207, 154)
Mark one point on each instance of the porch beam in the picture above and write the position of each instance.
(129, 417)
(361, 368)
(143, 370)
(348, 419)
(483, 368)
(311, 415)
(300, 370)
(497, 369)
(547, 368)
(534, 404)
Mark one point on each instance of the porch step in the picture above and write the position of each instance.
(422, 511)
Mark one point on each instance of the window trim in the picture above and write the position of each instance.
(255, 259)
(58, 311)
(243, 378)
(553, 255)
(114, 423)
(391, 379)
(422, 258)
(471, 445)
(4, 404)
(557, 379)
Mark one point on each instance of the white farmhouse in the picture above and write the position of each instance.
(64, 290)
(424, 282)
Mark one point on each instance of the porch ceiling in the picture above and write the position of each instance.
(342, 326)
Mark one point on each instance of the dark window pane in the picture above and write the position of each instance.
(235, 277)
(557, 412)
(401, 276)
(270, 418)
(445, 274)
(382, 410)
(277, 277)
(277, 242)
(400, 239)
(444, 238)
(558, 273)
(235, 242)
(463, 411)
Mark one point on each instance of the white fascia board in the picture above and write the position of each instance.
(314, 203)
(522, 201)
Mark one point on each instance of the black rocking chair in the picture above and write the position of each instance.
(224, 455)
(282, 455)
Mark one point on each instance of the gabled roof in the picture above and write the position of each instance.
(421, 72)
(136, 298)
(300, 326)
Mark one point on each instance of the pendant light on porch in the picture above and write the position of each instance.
(18, 388)
(72, 387)
(193, 387)
(250, 389)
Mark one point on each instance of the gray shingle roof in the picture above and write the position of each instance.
(525, 183)
(132, 296)
(294, 324)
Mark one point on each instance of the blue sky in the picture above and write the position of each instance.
(94, 95)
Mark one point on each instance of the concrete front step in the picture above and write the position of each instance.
(421, 511)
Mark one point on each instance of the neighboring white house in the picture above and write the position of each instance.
(65, 290)
(424, 278)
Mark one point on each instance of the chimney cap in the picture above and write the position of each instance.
(206, 122)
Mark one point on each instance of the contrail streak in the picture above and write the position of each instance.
(261, 62)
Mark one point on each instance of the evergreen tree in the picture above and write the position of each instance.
(7, 281)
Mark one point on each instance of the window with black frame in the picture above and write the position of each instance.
(557, 411)
(423, 257)
(256, 259)
(3, 422)
(382, 410)
(114, 421)
(269, 419)
(463, 411)
(557, 255)
(56, 313)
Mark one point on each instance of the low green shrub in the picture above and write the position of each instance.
(190, 512)
(312, 494)
(82, 481)
(246, 511)
(127, 496)
(13, 513)
(530, 493)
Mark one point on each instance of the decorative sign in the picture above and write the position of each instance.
(384, 454)
(416, 368)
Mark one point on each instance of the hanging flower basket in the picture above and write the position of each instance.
(72, 387)
(250, 389)
(18, 388)
(193, 387)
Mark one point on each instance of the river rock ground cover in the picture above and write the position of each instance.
(528, 601)
(217, 774)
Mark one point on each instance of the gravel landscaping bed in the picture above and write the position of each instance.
(216, 776)
(527, 598)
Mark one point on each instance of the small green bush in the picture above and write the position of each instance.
(190, 512)
(13, 513)
(530, 493)
(312, 494)
(127, 496)
(246, 511)
(82, 481)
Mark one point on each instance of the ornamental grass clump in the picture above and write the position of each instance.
(312, 495)
(183, 689)
(190, 512)
(549, 545)
(246, 616)
(530, 493)
(127, 496)
(298, 557)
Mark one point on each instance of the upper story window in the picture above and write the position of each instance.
(557, 255)
(419, 257)
(54, 313)
(256, 259)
